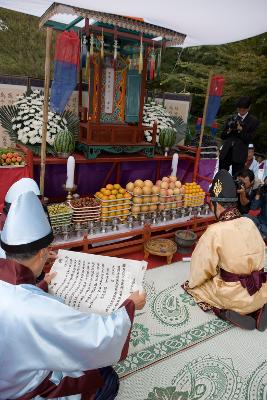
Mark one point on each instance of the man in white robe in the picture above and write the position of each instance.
(48, 349)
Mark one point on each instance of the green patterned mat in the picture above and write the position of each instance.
(170, 323)
(231, 366)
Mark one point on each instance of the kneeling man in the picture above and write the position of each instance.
(227, 265)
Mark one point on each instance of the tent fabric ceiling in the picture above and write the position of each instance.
(206, 22)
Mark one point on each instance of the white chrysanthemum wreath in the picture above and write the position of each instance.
(29, 120)
(154, 112)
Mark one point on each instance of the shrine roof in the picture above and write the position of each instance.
(170, 37)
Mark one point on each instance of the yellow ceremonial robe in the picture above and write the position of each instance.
(237, 247)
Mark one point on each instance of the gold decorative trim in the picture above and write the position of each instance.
(217, 189)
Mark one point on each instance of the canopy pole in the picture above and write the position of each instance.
(49, 33)
(198, 152)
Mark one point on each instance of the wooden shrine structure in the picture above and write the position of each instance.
(119, 50)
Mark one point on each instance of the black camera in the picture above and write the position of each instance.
(239, 184)
(234, 121)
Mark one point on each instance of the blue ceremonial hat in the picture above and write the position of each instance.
(26, 227)
(19, 187)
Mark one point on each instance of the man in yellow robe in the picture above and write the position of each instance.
(226, 271)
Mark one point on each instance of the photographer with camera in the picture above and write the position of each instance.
(259, 202)
(239, 131)
(246, 186)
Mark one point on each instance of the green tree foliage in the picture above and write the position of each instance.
(22, 45)
(243, 65)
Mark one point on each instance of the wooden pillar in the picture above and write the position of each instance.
(198, 153)
(99, 103)
(142, 90)
(49, 35)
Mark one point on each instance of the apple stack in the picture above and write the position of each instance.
(170, 193)
(145, 196)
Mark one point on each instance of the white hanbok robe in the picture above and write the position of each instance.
(40, 334)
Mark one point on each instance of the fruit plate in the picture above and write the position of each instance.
(143, 195)
(60, 223)
(124, 207)
(60, 215)
(73, 203)
(76, 209)
(95, 215)
(112, 200)
(146, 204)
(114, 216)
(124, 204)
(13, 166)
(77, 220)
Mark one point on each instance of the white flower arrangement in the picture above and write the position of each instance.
(28, 123)
(154, 112)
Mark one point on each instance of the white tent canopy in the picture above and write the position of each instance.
(204, 22)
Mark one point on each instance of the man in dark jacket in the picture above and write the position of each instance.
(239, 131)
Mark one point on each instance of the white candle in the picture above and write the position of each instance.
(175, 159)
(70, 172)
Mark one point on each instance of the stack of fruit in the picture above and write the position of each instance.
(85, 209)
(11, 158)
(59, 214)
(145, 196)
(115, 202)
(171, 193)
(194, 195)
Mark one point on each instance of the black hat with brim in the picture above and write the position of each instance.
(244, 102)
(223, 188)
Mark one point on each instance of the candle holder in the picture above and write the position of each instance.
(103, 227)
(115, 224)
(91, 227)
(130, 222)
(65, 233)
(183, 212)
(142, 220)
(70, 192)
(190, 211)
(154, 218)
(206, 208)
(164, 215)
(173, 213)
(78, 229)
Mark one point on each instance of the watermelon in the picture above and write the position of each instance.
(167, 137)
(64, 142)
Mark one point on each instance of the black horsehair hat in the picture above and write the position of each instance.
(223, 188)
(244, 102)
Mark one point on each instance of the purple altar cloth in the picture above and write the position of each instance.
(89, 177)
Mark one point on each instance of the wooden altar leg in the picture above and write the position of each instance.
(169, 259)
(146, 254)
(49, 36)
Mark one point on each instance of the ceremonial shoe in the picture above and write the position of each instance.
(261, 321)
(242, 321)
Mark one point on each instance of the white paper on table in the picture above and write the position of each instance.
(95, 283)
